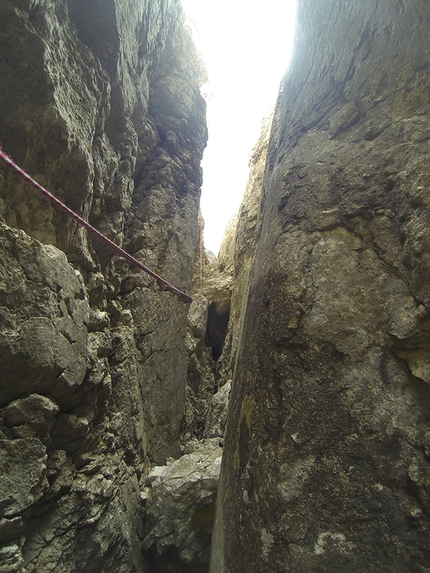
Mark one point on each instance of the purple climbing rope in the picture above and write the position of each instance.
(10, 163)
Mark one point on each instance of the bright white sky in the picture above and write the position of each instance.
(247, 46)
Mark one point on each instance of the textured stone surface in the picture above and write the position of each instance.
(100, 102)
(180, 509)
(326, 457)
(217, 412)
(23, 470)
(200, 372)
(237, 250)
(43, 311)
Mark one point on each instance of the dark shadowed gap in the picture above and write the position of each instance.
(216, 330)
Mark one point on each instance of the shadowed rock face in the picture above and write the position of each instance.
(100, 102)
(326, 458)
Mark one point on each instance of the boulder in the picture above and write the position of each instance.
(326, 451)
(180, 508)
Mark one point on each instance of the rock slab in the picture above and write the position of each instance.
(326, 457)
(180, 509)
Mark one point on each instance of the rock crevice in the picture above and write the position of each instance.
(313, 323)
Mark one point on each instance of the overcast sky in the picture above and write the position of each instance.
(246, 45)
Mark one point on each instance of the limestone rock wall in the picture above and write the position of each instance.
(238, 247)
(100, 102)
(180, 509)
(326, 456)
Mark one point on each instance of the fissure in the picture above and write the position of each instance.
(279, 420)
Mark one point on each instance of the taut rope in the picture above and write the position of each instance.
(50, 197)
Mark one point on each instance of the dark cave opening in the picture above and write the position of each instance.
(216, 329)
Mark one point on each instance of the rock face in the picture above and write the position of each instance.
(326, 457)
(100, 102)
(180, 509)
(237, 250)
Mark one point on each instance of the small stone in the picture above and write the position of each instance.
(98, 320)
(416, 513)
(126, 317)
(144, 494)
(23, 471)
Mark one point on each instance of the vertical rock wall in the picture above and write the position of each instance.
(326, 457)
(237, 250)
(100, 102)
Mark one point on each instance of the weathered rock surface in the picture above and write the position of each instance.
(237, 250)
(208, 324)
(100, 102)
(216, 419)
(326, 456)
(180, 509)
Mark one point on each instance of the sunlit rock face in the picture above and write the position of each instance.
(100, 102)
(326, 457)
(237, 250)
